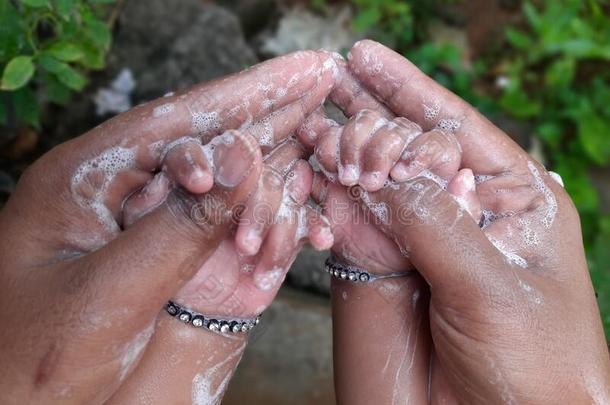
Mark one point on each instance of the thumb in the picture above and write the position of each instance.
(440, 238)
(152, 259)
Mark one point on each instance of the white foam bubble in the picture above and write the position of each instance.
(549, 196)
(109, 163)
(133, 350)
(378, 209)
(557, 178)
(488, 218)
(176, 142)
(480, 178)
(268, 280)
(431, 111)
(163, 109)
(302, 228)
(450, 125)
(205, 122)
(510, 255)
(437, 179)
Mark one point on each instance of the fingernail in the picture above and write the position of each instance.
(468, 180)
(159, 183)
(371, 180)
(233, 159)
(399, 172)
(326, 238)
(349, 175)
(252, 242)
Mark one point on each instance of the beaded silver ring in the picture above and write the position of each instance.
(355, 274)
(215, 324)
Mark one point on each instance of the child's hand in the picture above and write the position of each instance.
(243, 275)
(366, 153)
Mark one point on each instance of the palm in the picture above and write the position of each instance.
(358, 240)
(225, 286)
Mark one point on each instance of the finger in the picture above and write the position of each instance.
(318, 230)
(383, 151)
(349, 94)
(213, 107)
(506, 194)
(316, 124)
(262, 207)
(446, 246)
(163, 250)
(188, 165)
(436, 152)
(259, 212)
(463, 188)
(319, 188)
(288, 230)
(278, 249)
(144, 201)
(275, 127)
(326, 152)
(410, 93)
(356, 133)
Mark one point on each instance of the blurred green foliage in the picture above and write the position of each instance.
(45, 45)
(556, 74)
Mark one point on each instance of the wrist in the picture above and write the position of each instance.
(336, 268)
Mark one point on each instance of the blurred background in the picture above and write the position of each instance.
(539, 69)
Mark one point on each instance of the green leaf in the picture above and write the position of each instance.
(17, 73)
(518, 39)
(593, 132)
(36, 3)
(55, 91)
(550, 132)
(519, 104)
(26, 106)
(71, 78)
(12, 31)
(366, 19)
(560, 73)
(64, 7)
(65, 51)
(98, 32)
(93, 56)
(64, 73)
(102, 1)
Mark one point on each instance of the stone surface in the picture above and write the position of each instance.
(300, 29)
(173, 45)
(289, 357)
(307, 271)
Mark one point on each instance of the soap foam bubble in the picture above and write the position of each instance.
(109, 163)
(205, 122)
(163, 109)
(549, 197)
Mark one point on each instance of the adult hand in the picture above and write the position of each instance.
(79, 296)
(512, 309)
(231, 284)
(360, 157)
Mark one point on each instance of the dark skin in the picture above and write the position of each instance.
(511, 321)
(511, 311)
(66, 246)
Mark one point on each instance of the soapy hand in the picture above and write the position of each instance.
(82, 281)
(512, 313)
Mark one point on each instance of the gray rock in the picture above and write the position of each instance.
(306, 272)
(174, 45)
(289, 357)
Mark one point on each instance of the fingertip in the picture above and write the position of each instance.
(321, 237)
(248, 241)
(372, 181)
(199, 181)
